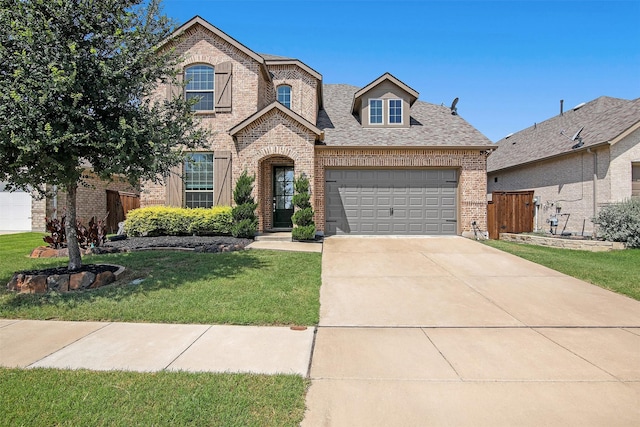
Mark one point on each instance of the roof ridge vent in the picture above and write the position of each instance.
(577, 107)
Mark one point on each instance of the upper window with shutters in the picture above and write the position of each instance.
(210, 86)
(200, 87)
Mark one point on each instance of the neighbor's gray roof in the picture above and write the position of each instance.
(603, 119)
(431, 125)
(269, 57)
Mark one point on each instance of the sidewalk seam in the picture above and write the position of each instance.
(187, 348)
(67, 345)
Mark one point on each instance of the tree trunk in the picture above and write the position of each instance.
(75, 259)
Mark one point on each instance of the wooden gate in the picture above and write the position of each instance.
(118, 204)
(510, 212)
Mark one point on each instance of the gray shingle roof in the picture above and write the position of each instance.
(431, 125)
(269, 57)
(603, 119)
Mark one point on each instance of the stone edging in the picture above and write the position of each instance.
(564, 243)
(82, 280)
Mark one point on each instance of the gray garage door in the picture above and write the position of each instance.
(391, 201)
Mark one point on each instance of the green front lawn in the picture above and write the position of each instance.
(618, 271)
(245, 288)
(48, 397)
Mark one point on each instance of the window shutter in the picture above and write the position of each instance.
(222, 87)
(175, 90)
(174, 187)
(222, 178)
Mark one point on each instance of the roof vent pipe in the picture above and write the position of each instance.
(561, 104)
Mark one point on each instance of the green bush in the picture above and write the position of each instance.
(245, 228)
(245, 222)
(303, 217)
(304, 232)
(173, 221)
(245, 211)
(304, 229)
(620, 222)
(213, 221)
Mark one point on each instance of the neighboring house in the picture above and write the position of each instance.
(379, 161)
(22, 211)
(575, 163)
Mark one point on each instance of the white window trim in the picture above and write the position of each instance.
(212, 91)
(383, 117)
(290, 94)
(184, 171)
(401, 122)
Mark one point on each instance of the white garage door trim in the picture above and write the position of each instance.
(391, 201)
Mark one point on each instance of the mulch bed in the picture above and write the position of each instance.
(197, 243)
(92, 268)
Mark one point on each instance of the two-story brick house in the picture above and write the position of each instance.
(379, 160)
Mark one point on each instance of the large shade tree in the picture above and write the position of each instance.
(77, 79)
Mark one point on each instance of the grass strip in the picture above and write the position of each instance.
(618, 271)
(47, 397)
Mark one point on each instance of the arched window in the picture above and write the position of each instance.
(199, 80)
(284, 95)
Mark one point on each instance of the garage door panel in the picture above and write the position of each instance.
(394, 201)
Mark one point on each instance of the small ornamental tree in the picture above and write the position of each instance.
(245, 222)
(304, 227)
(78, 83)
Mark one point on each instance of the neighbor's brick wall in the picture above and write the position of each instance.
(304, 87)
(471, 166)
(623, 154)
(564, 181)
(91, 201)
(272, 138)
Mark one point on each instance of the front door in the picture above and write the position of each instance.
(282, 196)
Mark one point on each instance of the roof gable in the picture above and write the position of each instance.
(197, 20)
(357, 97)
(601, 121)
(281, 108)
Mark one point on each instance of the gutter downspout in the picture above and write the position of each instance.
(595, 180)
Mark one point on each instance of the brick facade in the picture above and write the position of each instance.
(91, 201)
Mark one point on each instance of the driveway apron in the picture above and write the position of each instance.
(450, 332)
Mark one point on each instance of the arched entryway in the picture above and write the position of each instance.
(275, 181)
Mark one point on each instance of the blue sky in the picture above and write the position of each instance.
(509, 62)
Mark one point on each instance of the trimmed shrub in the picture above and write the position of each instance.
(303, 217)
(214, 221)
(173, 221)
(620, 222)
(245, 222)
(304, 232)
(304, 227)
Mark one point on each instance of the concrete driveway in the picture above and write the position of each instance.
(447, 331)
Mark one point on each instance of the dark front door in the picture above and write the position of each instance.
(282, 196)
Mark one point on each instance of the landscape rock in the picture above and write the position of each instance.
(103, 279)
(81, 280)
(58, 282)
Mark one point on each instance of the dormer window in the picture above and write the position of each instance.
(395, 111)
(200, 86)
(284, 95)
(375, 111)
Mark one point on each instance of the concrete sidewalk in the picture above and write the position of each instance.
(154, 347)
(450, 332)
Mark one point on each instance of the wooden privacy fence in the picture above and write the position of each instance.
(118, 204)
(510, 212)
